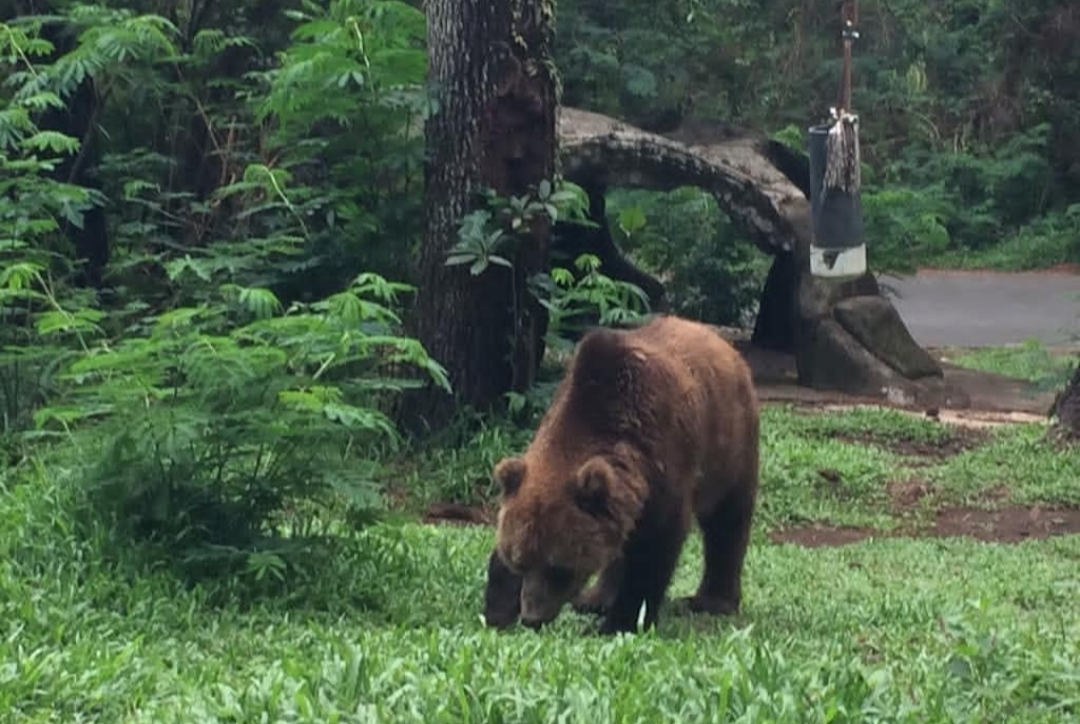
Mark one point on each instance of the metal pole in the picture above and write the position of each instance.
(850, 20)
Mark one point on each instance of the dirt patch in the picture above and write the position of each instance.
(456, 514)
(906, 494)
(818, 536)
(959, 440)
(1006, 525)
(1011, 524)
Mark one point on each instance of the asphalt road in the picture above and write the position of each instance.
(986, 309)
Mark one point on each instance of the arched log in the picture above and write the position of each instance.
(845, 335)
(573, 240)
(598, 151)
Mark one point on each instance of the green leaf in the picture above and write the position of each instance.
(80, 320)
(53, 141)
(640, 81)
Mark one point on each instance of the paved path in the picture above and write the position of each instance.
(987, 309)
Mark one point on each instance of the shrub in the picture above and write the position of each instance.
(710, 272)
(223, 426)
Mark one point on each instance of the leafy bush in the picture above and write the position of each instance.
(233, 382)
(214, 420)
(35, 258)
(586, 297)
(710, 273)
(904, 225)
(575, 298)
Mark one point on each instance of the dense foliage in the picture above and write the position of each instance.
(968, 108)
(237, 361)
(210, 214)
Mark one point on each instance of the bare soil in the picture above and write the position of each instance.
(1010, 524)
(960, 439)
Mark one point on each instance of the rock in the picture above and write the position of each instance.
(849, 338)
(830, 358)
(817, 297)
(834, 360)
(876, 324)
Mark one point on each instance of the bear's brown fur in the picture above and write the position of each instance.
(649, 429)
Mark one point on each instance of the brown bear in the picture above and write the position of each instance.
(648, 429)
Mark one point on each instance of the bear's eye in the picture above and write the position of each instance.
(558, 576)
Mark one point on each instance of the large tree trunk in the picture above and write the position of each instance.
(494, 127)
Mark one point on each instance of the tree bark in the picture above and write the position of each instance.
(1066, 408)
(494, 127)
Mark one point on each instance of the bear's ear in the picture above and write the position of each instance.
(509, 472)
(592, 490)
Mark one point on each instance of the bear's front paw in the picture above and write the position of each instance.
(710, 605)
(502, 595)
(611, 626)
(590, 603)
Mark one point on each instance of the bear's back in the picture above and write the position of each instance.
(674, 388)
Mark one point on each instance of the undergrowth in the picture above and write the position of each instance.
(1030, 361)
(927, 631)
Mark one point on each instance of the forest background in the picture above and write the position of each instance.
(211, 211)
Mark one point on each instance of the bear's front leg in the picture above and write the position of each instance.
(502, 596)
(599, 599)
(648, 566)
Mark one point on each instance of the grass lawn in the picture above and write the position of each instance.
(897, 627)
(1030, 361)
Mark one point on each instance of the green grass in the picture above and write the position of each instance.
(888, 630)
(1029, 249)
(860, 449)
(1030, 361)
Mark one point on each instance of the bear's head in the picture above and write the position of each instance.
(559, 527)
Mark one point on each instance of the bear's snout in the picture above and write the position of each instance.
(533, 623)
(539, 605)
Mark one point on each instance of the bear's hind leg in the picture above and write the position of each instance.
(725, 535)
(599, 598)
